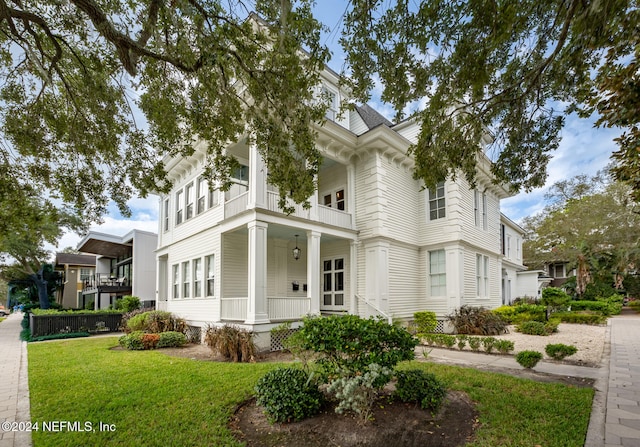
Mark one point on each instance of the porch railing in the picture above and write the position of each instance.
(285, 308)
(104, 279)
(233, 308)
(333, 216)
(236, 205)
(278, 308)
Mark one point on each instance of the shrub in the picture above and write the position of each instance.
(477, 321)
(128, 303)
(525, 300)
(538, 328)
(155, 321)
(171, 339)
(474, 343)
(528, 359)
(560, 351)
(462, 341)
(580, 317)
(349, 344)
(149, 341)
(554, 297)
(604, 307)
(504, 346)
(425, 322)
(635, 305)
(288, 394)
(415, 385)
(507, 313)
(447, 340)
(132, 341)
(489, 343)
(124, 324)
(233, 343)
(358, 393)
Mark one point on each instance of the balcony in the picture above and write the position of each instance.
(105, 283)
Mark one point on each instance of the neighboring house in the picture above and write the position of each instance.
(517, 281)
(125, 265)
(374, 241)
(559, 272)
(75, 269)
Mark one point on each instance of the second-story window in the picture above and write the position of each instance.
(179, 206)
(335, 200)
(332, 98)
(201, 192)
(437, 204)
(166, 215)
(188, 198)
(480, 209)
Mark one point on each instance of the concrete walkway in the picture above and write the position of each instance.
(14, 385)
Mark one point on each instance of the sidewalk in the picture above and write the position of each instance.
(14, 385)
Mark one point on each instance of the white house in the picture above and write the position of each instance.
(374, 242)
(125, 265)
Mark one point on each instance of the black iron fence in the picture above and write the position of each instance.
(59, 324)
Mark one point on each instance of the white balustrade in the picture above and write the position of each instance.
(233, 308)
(286, 308)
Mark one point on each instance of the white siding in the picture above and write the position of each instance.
(401, 195)
(405, 280)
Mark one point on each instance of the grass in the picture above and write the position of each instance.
(155, 400)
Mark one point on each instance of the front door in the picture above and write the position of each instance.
(333, 284)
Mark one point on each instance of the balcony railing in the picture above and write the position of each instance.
(105, 280)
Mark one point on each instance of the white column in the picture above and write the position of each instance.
(351, 192)
(313, 271)
(257, 179)
(257, 311)
(353, 278)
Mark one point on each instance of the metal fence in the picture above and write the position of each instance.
(60, 324)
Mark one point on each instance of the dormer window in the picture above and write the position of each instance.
(332, 98)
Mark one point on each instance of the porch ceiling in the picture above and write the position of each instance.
(275, 231)
(104, 248)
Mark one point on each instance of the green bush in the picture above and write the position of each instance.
(489, 343)
(560, 351)
(554, 297)
(171, 339)
(635, 305)
(415, 385)
(155, 322)
(507, 313)
(132, 341)
(604, 307)
(348, 344)
(474, 343)
(425, 322)
(528, 359)
(232, 342)
(504, 346)
(477, 321)
(288, 394)
(538, 328)
(580, 317)
(128, 303)
(462, 341)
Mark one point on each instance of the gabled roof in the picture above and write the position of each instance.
(371, 117)
(75, 259)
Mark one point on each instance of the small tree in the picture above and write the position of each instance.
(554, 298)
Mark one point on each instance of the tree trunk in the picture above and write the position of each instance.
(41, 286)
(583, 276)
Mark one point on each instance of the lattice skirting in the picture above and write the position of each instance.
(278, 337)
(194, 334)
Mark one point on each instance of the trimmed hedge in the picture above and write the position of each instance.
(580, 317)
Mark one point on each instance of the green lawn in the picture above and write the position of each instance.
(155, 400)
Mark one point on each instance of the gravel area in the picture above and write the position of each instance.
(589, 340)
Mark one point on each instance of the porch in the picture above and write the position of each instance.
(272, 273)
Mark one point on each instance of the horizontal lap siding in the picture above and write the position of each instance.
(405, 280)
(234, 265)
(489, 239)
(402, 196)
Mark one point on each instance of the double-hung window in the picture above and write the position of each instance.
(437, 206)
(179, 206)
(437, 273)
(209, 266)
(482, 276)
(197, 278)
(176, 281)
(201, 192)
(165, 212)
(186, 280)
(480, 209)
(188, 197)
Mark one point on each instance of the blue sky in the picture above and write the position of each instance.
(583, 150)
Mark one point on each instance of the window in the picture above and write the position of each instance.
(331, 98)
(210, 274)
(197, 278)
(333, 282)
(480, 209)
(201, 191)
(482, 276)
(437, 273)
(241, 173)
(335, 200)
(186, 280)
(166, 215)
(176, 281)
(85, 274)
(437, 202)
(508, 246)
(188, 198)
(179, 205)
(503, 249)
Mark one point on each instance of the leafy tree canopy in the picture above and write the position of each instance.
(500, 66)
(597, 233)
(74, 72)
